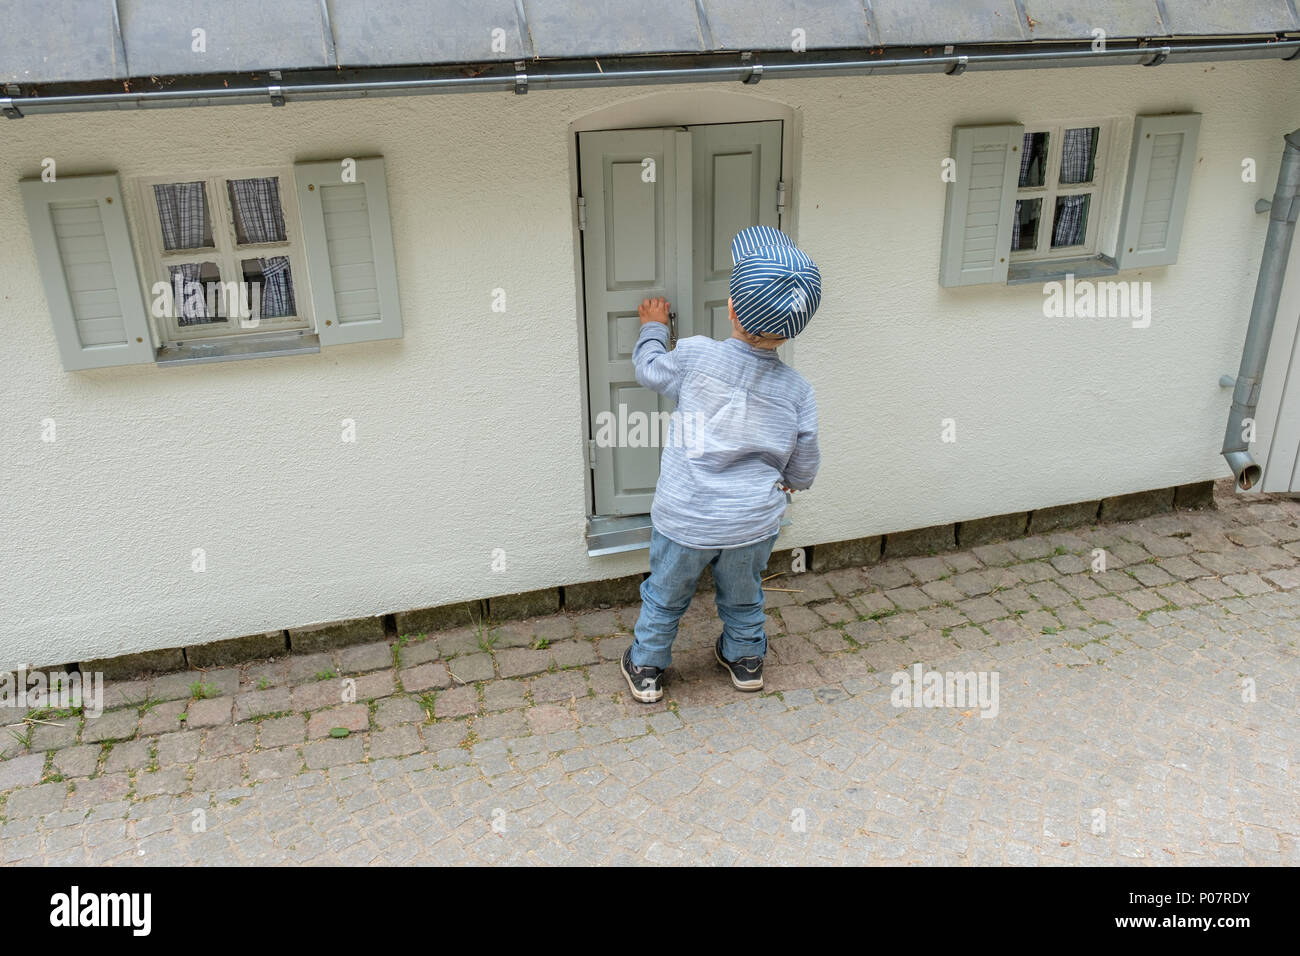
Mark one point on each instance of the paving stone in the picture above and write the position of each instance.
(456, 702)
(394, 711)
(509, 723)
(260, 703)
(122, 693)
(332, 752)
(55, 733)
(365, 657)
(443, 734)
(395, 742)
(274, 764)
(97, 791)
(471, 668)
(209, 713)
(374, 686)
(217, 774)
(282, 731)
(418, 651)
(111, 725)
(351, 717)
(319, 694)
(21, 771)
(172, 781)
(558, 687)
(598, 623)
(522, 662)
(80, 761)
(573, 653)
(310, 667)
(129, 755)
(548, 718)
(424, 677)
(178, 748)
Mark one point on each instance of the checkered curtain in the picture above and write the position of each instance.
(1026, 158)
(183, 213)
(1076, 155)
(260, 219)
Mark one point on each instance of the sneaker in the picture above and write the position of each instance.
(646, 683)
(746, 673)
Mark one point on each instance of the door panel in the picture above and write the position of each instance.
(735, 171)
(633, 248)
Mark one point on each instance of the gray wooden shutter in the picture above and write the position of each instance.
(83, 251)
(736, 171)
(980, 204)
(1155, 197)
(636, 245)
(348, 241)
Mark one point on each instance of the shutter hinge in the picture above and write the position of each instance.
(582, 213)
(591, 454)
(780, 198)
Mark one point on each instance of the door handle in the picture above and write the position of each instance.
(672, 328)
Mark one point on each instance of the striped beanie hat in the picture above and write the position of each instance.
(775, 288)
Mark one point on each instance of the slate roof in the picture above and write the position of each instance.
(83, 41)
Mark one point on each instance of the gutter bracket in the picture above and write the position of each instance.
(959, 67)
(1160, 57)
(7, 104)
(755, 69)
(521, 78)
(273, 90)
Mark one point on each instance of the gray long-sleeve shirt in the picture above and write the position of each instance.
(744, 422)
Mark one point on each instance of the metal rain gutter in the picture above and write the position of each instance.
(1263, 312)
(746, 68)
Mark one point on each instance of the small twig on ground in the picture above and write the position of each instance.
(786, 590)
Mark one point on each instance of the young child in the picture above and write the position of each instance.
(722, 490)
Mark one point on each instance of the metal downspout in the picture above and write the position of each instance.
(1263, 312)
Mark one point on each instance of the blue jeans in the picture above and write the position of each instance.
(675, 571)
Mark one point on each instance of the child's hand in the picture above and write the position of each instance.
(654, 310)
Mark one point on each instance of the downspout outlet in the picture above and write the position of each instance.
(1244, 469)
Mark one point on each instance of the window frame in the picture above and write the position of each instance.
(1052, 189)
(226, 252)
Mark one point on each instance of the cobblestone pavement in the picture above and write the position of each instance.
(1146, 714)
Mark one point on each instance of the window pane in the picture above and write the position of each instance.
(259, 216)
(1024, 227)
(197, 293)
(183, 215)
(270, 286)
(1033, 160)
(1071, 223)
(1079, 155)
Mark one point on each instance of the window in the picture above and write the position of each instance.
(1058, 191)
(226, 246)
(305, 252)
(1028, 204)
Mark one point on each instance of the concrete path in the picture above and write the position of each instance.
(1145, 714)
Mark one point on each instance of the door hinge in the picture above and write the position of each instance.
(582, 213)
(780, 198)
(591, 454)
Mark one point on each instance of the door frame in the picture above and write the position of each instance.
(693, 107)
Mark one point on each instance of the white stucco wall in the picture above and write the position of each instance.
(470, 427)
